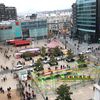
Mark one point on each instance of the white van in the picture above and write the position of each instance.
(18, 67)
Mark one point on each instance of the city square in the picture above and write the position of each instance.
(50, 50)
(48, 84)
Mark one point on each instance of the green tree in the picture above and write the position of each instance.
(53, 61)
(38, 66)
(43, 51)
(81, 58)
(57, 51)
(63, 92)
(70, 53)
(27, 54)
(82, 65)
(81, 61)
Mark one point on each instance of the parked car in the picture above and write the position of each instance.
(46, 60)
(84, 52)
(32, 64)
(28, 58)
(53, 63)
(59, 58)
(69, 59)
(18, 67)
(88, 51)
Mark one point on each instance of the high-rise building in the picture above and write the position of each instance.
(74, 21)
(88, 20)
(7, 13)
(74, 14)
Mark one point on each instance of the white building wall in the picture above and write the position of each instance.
(96, 92)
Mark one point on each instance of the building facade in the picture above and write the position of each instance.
(74, 21)
(88, 20)
(10, 30)
(7, 13)
(74, 17)
(58, 23)
(34, 29)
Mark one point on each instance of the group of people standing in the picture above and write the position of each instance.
(8, 92)
(28, 92)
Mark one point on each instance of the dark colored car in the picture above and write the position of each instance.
(53, 63)
(69, 59)
(28, 58)
(45, 60)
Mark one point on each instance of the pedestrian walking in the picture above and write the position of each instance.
(9, 89)
(29, 86)
(9, 95)
(25, 83)
(3, 91)
(4, 79)
(46, 98)
(29, 96)
(11, 71)
(33, 95)
(7, 68)
(61, 67)
(1, 67)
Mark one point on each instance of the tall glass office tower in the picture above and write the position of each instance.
(87, 20)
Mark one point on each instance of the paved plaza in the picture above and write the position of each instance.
(83, 93)
(14, 94)
(86, 92)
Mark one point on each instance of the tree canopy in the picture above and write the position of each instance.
(81, 58)
(70, 54)
(43, 51)
(63, 92)
(38, 66)
(27, 54)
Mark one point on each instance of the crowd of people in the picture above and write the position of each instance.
(28, 92)
(6, 54)
(7, 63)
(8, 92)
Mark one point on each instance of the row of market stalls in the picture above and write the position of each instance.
(18, 42)
(32, 50)
(53, 44)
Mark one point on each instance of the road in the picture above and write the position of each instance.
(73, 45)
(9, 71)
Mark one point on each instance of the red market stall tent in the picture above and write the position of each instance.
(19, 42)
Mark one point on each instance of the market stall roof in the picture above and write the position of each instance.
(54, 43)
(29, 49)
(18, 42)
(22, 42)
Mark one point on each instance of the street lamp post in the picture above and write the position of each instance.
(65, 40)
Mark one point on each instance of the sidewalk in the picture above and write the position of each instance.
(14, 95)
(34, 88)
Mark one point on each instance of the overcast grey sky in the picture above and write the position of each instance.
(25, 6)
